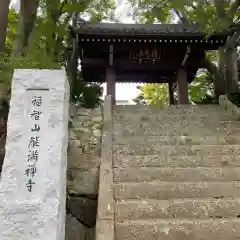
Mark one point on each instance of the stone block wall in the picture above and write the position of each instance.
(85, 134)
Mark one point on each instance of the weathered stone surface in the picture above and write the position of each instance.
(177, 209)
(33, 191)
(84, 209)
(176, 150)
(176, 161)
(206, 110)
(178, 140)
(159, 118)
(105, 230)
(74, 229)
(169, 190)
(83, 182)
(146, 174)
(180, 230)
(105, 216)
(178, 129)
(83, 165)
(91, 234)
(83, 162)
(176, 173)
(229, 106)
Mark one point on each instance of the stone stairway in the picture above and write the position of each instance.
(176, 173)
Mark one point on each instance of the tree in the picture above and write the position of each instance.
(38, 37)
(43, 42)
(201, 90)
(152, 94)
(4, 7)
(27, 19)
(216, 15)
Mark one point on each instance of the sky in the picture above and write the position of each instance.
(124, 91)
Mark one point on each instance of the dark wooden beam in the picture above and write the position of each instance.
(94, 61)
(124, 64)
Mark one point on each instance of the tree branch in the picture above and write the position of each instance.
(232, 40)
(217, 78)
(234, 8)
(181, 17)
(220, 8)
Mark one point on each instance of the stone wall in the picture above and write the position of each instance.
(85, 131)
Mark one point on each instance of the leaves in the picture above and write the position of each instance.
(152, 94)
(201, 88)
(211, 15)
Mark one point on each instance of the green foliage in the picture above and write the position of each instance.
(47, 44)
(88, 95)
(12, 29)
(201, 90)
(34, 60)
(152, 94)
(210, 15)
(140, 97)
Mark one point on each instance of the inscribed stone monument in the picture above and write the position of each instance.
(33, 181)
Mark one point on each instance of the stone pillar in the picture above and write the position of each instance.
(111, 83)
(182, 86)
(33, 181)
(170, 92)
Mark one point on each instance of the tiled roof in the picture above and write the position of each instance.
(88, 28)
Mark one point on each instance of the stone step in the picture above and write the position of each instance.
(120, 160)
(228, 229)
(175, 122)
(176, 150)
(145, 116)
(217, 139)
(146, 174)
(177, 208)
(136, 129)
(171, 118)
(173, 109)
(169, 190)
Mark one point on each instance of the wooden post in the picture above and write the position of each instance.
(170, 92)
(182, 86)
(111, 82)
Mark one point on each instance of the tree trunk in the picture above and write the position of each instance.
(222, 69)
(231, 71)
(27, 19)
(217, 78)
(4, 8)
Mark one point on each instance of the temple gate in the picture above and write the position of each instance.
(142, 53)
